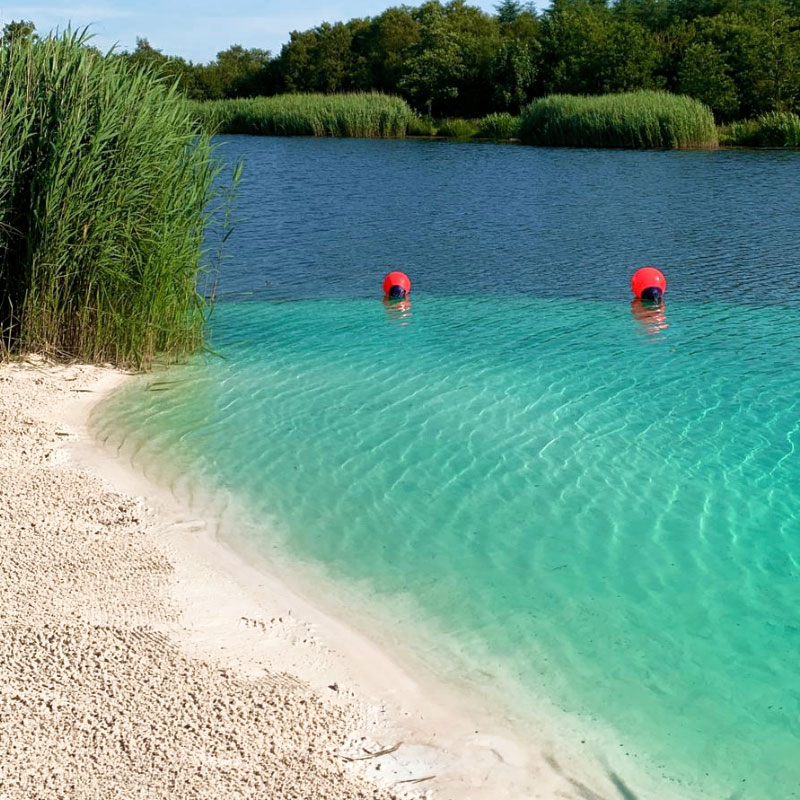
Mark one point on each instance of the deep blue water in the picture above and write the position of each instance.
(599, 499)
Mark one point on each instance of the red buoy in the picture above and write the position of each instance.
(396, 284)
(648, 283)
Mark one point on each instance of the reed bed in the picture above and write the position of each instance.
(643, 119)
(364, 115)
(775, 129)
(455, 128)
(499, 126)
(422, 126)
(105, 188)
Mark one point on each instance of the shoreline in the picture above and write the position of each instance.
(218, 611)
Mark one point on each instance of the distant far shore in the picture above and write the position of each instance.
(627, 120)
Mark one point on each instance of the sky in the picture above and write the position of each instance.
(197, 30)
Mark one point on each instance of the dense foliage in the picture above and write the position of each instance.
(104, 192)
(643, 119)
(740, 57)
(775, 129)
(363, 115)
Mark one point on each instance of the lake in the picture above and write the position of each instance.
(586, 503)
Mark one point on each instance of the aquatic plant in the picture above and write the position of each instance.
(644, 119)
(357, 115)
(421, 126)
(775, 129)
(457, 128)
(105, 187)
(499, 126)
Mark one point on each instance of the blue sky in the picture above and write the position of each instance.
(197, 30)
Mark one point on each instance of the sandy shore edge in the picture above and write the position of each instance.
(165, 665)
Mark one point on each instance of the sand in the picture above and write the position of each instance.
(96, 699)
(140, 657)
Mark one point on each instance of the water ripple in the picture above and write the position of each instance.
(600, 498)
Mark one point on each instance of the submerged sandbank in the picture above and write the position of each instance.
(142, 655)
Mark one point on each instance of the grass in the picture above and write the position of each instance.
(643, 119)
(422, 126)
(457, 129)
(499, 126)
(776, 129)
(105, 188)
(365, 115)
(362, 115)
(493, 126)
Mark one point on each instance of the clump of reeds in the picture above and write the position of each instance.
(421, 126)
(775, 129)
(104, 191)
(499, 126)
(643, 119)
(365, 115)
(457, 128)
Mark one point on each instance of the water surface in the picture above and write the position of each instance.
(596, 497)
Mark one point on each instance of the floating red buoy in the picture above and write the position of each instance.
(648, 283)
(396, 284)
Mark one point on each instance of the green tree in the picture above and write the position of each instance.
(703, 74)
(323, 59)
(478, 38)
(510, 11)
(513, 72)
(655, 15)
(782, 56)
(332, 57)
(297, 62)
(237, 72)
(435, 67)
(629, 57)
(744, 43)
(175, 70)
(390, 37)
(589, 50)
(359, 68)
(574, 38)
(742, 57)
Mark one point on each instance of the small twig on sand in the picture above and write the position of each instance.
(377, 754)
(416, 780)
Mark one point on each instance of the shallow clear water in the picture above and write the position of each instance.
(600, 498)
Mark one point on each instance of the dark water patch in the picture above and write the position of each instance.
(319, 218)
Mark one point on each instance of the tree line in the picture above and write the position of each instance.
(740, 57)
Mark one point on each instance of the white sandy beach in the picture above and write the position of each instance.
(142, 658)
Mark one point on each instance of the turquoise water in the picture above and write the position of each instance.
(598, 497)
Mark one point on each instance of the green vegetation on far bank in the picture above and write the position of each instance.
(451, 59)
(363, 115)
(105, 187)
(501, 126)
(768, 130)
(642, 119)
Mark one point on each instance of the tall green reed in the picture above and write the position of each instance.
(105, 189)
(422, 126)
(774, 129)
(643, 119)
(363, 115)
(500, 125)
(455, 128)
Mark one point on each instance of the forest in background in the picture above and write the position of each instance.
(740, 57)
